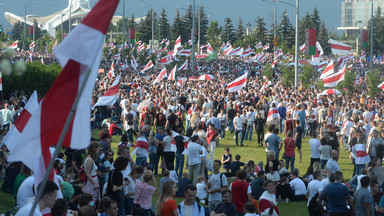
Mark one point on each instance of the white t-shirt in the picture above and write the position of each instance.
(25, 192)
(314, 187)
(130, 187)
(298, 186)
(193, 153)
(27, 208)
(188, 210)
(215, 181)
(315, 144)
(201, 193)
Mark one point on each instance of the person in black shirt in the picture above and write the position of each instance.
(77, 160)
(259, 128)
(231, 115)
(235, 165)
(226, 207)
(171, 120)
(179, 139)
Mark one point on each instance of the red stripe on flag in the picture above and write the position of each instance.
(65, 88)
(240, 82)
(22, 120)
(98, 18)
(340, 47)
(112, 90)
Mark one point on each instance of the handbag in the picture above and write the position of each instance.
(119, 193)
(82, 174)
(137, 207)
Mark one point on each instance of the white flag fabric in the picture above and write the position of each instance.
(333, 80)
(238, 83)
(329, 70)
(78, 54)
(110, 96)
(340, 48)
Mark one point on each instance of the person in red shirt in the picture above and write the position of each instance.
(241, 190)
(211, 138)
(166, 206)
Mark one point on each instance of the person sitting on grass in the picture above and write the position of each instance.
(250, 209)
(235, 165)
(283, 189)
(165, 178)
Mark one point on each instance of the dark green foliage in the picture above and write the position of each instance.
(228, 33)
(286, 32)
(37, 77)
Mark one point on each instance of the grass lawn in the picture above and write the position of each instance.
(248, 152)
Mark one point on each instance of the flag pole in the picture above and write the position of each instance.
(61, 140)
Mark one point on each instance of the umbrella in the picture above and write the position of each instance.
(144, 104)
(330, 92)
(206, 77)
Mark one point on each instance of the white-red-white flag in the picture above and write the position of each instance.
(141, 47)
(148, 66)
(172, 75)
(184, 52)
(177, 43)
(266, 47)
(273, 113)
(190, 42)
(238, 83)
(134, 62)
(32, 45)
(333, 80)
(79, 55)
(361, 156)
(184, 66)
(111, 72)
(329, 70)
(302, 48)
(14, 45)
(1, 82)
(166, 59)
(162, 75)
(116, 57)
(381, 86)
(340, 48)
(110, 96)
(54, 45)
(140, 143)
(259, 45)
(209, 48)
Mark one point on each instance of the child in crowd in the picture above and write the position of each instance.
(172, 173)
(165, 178)
(202, 190)
(183, 182)
(260, 166)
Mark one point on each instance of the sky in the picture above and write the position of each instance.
(218, 10)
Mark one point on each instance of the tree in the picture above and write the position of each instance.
(373, 82)
(187, 22)
(378, 33)
(306, 76)
(305, 23)
(145, 27)
(288, 75)
(164, 25)
(286, 31)
(132, 22)
(316, 20)
(213, 34)
(17, 31)
(240, 30)
(348, 82)
(204, 24)
(260, 30)
(177, 27)
(323, 39)
(228, 33)
(268, 71)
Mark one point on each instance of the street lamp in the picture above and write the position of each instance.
(296, 36)
(122, 49)
(274, 19)
(371, 34)
(25, 17)
(151, 8)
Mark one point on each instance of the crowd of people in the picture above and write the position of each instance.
(174, 127)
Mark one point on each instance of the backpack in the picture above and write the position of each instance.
(162, 119)
(198, 206)
(221, 178)
(147, 119)
(129, 118)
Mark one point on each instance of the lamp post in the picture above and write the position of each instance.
(371, 34)
(193, 38)
(70, 16)
(25, 17)
(296, 7)
(153, 32)
(274, 19)
(122, 49)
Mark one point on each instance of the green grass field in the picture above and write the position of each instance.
(248, 152)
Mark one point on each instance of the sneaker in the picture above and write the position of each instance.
(234, 137)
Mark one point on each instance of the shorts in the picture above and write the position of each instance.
(298, 144)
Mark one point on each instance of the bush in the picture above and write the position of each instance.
(37, 77)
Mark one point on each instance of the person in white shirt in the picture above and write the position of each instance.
(193, 158)
(314, 145)
(298, 186)
(314, 187)
(189, 207)
(238, 125)
(47, 200)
